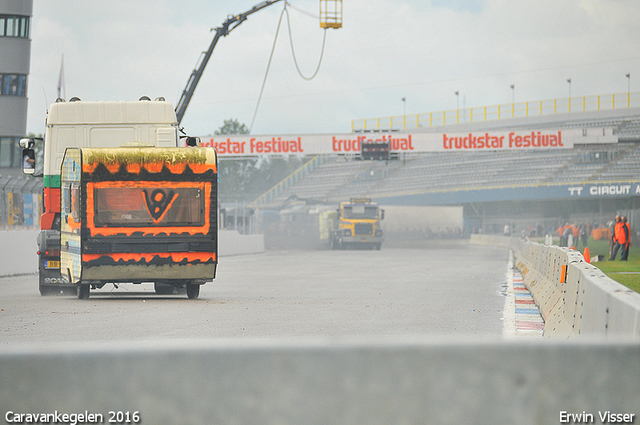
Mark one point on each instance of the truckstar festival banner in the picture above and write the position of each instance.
(244, 145)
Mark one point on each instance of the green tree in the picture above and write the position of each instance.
(246, 179)
(232, 126)
(235, 175)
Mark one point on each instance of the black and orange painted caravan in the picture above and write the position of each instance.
(139, 214)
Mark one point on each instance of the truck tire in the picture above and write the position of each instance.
(83, 291)
(193, 290)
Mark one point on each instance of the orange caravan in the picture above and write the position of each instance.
(138, 214)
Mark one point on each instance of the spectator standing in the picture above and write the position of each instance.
(624, 255)
(566, 235)
(619, 239)
(561, 235)
(613, 235)
(576, 235)
(584, 235)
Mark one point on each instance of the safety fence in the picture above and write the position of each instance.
(20, 202)
(498, 112)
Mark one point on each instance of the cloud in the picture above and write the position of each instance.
(386, 50)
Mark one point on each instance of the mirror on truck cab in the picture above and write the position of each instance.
(381, 214)
(192, 141)
(30, 163)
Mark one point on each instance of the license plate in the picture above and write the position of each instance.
(52, 264)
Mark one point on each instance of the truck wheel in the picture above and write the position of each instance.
(83, 291)
(193, 290)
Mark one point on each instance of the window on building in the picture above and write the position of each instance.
(17, 152)
(13, 85)
(14, 26)
(6, 151)
(10, 152)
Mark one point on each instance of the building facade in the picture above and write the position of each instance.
(15, 54)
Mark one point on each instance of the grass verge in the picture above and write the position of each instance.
(625, 272)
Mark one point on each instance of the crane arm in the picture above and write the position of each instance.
(232, 22)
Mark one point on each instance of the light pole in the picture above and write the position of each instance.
(569, 81)
(513, 100)
(404, 116)
(628, 89)
(457, 93)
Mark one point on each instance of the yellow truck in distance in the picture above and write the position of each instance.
(355, 224)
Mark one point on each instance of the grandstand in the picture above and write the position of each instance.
(483, 181)
(340, 177)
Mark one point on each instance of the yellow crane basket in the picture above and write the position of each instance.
(331, 14)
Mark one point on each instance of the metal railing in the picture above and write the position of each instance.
(269, 197)
(498, 112)
(20, 202)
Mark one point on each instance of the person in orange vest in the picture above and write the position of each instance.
(624, 255)
(576, 234)
(619, 239)
(560, 232)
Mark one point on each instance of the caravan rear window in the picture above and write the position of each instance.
(149, 206)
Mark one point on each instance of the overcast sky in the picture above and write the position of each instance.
(421, 50)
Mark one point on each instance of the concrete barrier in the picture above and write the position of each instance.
(402, 381)
(18, 249)
(230, 242)
(575, 298)
(18, 252)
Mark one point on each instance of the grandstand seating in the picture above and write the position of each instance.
(338, 178)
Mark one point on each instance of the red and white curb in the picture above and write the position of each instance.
(522, 317)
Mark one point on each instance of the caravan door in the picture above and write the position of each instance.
(71, 216)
